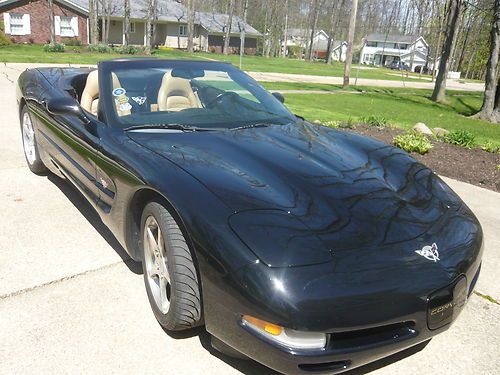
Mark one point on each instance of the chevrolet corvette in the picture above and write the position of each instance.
(303, 247)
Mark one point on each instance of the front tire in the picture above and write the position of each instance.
(169, 271)
(30, 147)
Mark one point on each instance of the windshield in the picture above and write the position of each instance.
(187, 93)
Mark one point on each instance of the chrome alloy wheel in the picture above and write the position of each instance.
(156, 262)
(29, 139)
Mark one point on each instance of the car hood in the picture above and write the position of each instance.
(350, 191)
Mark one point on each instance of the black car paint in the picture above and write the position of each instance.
(361, 207)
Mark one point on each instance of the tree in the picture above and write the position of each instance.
(150, 21)
(229, 24)
(315, 7)
(94, 37)
(126, 23)
(52, 24)
(190, 24)
(453, 14)
(334, 11)
(490, 110)
(350, 43)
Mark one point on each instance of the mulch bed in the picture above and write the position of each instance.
(475, 166)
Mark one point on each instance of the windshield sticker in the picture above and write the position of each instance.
(119, 91)
(125, 107)
(139, 99)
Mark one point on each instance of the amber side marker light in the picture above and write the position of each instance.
(300, 340)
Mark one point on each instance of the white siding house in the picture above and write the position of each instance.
(300, 38)
(382, 50)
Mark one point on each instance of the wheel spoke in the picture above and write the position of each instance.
(151, 241)
(163, 292)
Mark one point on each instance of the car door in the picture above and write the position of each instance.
(72, 146)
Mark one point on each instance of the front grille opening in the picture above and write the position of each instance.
(373, 336)
(326, 366)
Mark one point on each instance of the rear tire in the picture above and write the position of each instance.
(30, 146)
(169, 272)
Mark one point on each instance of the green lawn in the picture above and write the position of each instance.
(79, 55)
(401, 107)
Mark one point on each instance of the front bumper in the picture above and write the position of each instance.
(346, 349)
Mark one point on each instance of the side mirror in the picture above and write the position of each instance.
(279, 96)
(66, 106)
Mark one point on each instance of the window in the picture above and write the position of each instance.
(66, 29)
(66, 26)
(183, 30)
(371, 44)
(17, 23)
(132, 27)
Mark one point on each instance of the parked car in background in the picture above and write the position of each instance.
(399, 65)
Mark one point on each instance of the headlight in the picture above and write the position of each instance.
(285, 336)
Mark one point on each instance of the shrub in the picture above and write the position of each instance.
(72, 42)
(58, 47)
(4, 41)
(99, 48)
(490, 147)
(413, 141)
(378, 121)
(460, 138)
(349, 124)
(129, 50)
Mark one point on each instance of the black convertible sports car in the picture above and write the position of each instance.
(303, 247)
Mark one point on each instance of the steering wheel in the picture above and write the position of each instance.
(221, 96)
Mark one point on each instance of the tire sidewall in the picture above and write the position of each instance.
(37, 166)
(157, 210)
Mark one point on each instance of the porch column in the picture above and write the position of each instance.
(145, 33)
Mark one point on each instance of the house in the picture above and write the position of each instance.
(26, 22)
(383, 49)
(299, 39)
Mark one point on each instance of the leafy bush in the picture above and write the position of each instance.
(460, 138)
(413, 141)
(129, 50)
(58, 47)
(349, 124)
(99, 48)
(378, 121)
(72, 42)
(490, 147)
(4, 41)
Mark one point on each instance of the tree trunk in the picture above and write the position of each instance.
(438, 95)
(350, 41)
(108, 12)
(314, 23)
(150, 19)
(227, 36)
(242, 32)
(126, 23)
(190, 25)
(331, 35)
(285, 31)
(94, 38)
(490, 109)
(52, 24)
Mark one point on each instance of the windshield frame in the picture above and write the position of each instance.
(105, 69)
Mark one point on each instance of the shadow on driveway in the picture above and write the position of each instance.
(81, 203)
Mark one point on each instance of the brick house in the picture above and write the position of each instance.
(27, 21)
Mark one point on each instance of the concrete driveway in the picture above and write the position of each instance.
(72, 302)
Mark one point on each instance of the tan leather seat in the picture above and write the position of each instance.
(90, 94)
(176, 94)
